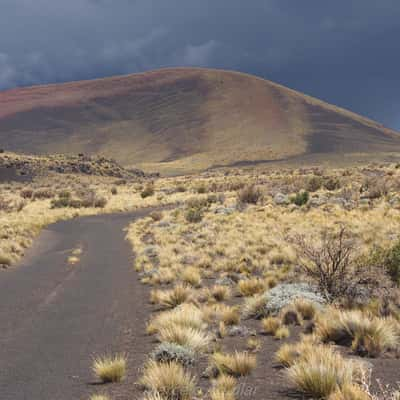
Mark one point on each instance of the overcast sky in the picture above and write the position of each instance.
(346, 52)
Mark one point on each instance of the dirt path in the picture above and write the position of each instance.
(54, 317)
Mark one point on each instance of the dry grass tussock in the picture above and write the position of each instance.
(225, 263)
(322, 372)
(235, 364)
(223, 388)
(186, 315)
(110, 368)
(171, 298)
(367, 335)
(189, 337)
(169, 381)
(99, 397)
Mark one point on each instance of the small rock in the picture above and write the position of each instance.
(241, 331)
(281, 199)
(317, 201)
(224, 210)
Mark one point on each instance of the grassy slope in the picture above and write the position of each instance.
(183, 119)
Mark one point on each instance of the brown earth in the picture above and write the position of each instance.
(182, 120)
(55, 317)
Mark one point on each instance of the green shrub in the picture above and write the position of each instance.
(392, 262)
(300, 199)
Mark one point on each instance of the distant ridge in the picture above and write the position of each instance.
(184, 119)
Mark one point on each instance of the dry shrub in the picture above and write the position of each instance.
(169, 380)
(330, 263)
(250, 195)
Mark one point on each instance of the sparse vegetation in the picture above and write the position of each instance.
(300, 199)
(212, 267)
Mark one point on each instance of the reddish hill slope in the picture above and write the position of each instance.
(183, 119)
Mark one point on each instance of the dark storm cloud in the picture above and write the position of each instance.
(345, 52)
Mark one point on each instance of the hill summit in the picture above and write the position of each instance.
(182, 120)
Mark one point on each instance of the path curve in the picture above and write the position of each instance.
(55, 317)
